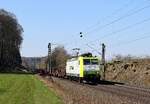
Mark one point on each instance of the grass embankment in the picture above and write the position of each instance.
(25, 89)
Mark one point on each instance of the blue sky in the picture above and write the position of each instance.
(60, 21)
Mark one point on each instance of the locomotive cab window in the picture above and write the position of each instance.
(86, 61)
(94, 61)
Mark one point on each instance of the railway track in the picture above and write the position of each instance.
(135, 94)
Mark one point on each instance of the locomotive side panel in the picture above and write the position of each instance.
(73, 68)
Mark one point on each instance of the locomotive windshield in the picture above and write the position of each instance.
(90, 61)
(94, 61)
(86, 61)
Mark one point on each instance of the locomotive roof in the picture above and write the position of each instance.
(85, 57)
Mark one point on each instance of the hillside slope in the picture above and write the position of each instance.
(133, 72)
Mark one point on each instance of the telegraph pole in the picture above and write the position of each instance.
(103, 60)
(49, 58)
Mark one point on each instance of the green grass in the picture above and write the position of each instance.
(25, 89)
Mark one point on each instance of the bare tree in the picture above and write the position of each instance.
(59, 58)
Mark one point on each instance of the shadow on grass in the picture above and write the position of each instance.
(15, 70)
(2, 91)
(19, 73)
